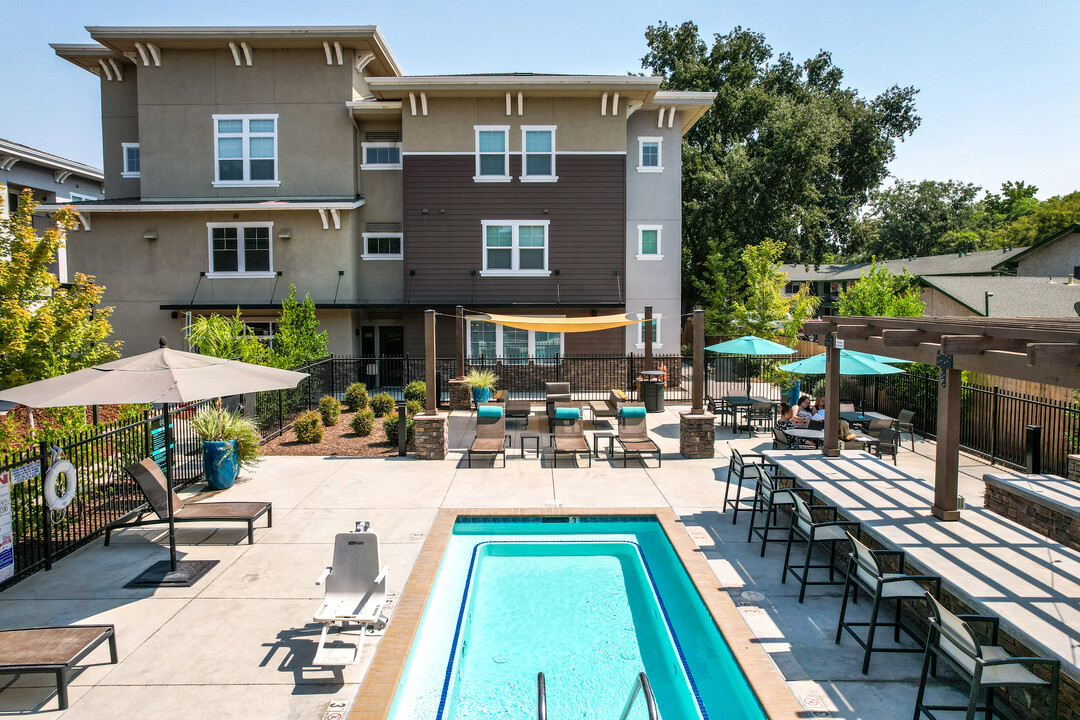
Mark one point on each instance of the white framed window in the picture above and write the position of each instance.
(649, 242)
(513, 345)
(515, 247)
(76, 197)
(131, 160)
(240, 249)
(654, 327)
(262, 330)
(383, 246)
(245, 151)
(381, 156)
(538, 153)
(649, 154)
(492, 153)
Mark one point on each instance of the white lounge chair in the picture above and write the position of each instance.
(355, 595)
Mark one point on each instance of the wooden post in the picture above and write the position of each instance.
(429, 361)
(646, 333)
(831, 446)
(947, 461)
(698, 385)
(460, 334)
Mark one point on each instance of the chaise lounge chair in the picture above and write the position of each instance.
(634, 434)
(355, 594)
(568, 435)
(52, 650)
(491, 437)
(152, 483)
(608, 408)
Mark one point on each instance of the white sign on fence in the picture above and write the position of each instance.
(25, 472)
(7, 542)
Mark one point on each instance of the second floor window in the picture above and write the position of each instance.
(245, 149)
(492, 153)
(537, 153)
(382, 156)
(515, 247)
(241, 249)
(131, 160)
(649, 154)
(385, 246)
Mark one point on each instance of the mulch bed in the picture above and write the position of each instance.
(337, 440)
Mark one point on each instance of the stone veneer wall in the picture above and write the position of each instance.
(697, 435)
(431, 437)
(1073, 471)
(460, 394)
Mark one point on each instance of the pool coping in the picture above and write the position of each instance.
(380, 684)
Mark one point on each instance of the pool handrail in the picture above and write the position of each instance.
(541, 697)
(641, 684)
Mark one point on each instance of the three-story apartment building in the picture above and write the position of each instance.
(239, 161)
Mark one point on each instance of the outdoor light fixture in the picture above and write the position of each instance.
(412, 272)
(340, 273)
(285, 234)
(472, 272)
(555, 271)
(150, 235)
(424, 211)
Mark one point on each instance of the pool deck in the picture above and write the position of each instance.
(240, 643)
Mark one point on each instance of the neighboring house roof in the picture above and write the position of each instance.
(1013, 296)
(984, 262)
(13, 150)
(1010, 262)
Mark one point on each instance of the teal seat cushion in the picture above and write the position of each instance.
(567, 413)
(490, 411)
(634, 411)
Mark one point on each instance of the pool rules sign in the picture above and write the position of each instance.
(7, 542)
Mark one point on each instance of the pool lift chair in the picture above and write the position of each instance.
(355, 595)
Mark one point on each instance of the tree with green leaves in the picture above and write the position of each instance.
(227, 336)
(880, 292)
(297, 339)
(786, 152)
(765, 311)
(1045, 220)
(46, 328)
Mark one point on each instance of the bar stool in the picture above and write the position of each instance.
(769, 498)
(742, 470)
(806, 529)
(865, 571)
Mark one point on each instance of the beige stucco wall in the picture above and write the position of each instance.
(1057, 259)
(941, 305)
(315, 133)
(119, 124)
(448, 126)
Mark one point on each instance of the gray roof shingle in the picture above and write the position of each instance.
(976, 263)
(1013, 296)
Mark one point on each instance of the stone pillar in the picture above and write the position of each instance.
(1073, 472)
(697, 435)
(460, 394)
(431, 437)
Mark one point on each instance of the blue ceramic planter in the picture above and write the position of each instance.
(481, 395)
(220, 464)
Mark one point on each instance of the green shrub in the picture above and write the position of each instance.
(414, 407)
(215, 424)
(308, 427)
(382, 404)
(363, 423)
(329, 410)
(416, 390)
(818, 390)
(356, 397)
(390, 427)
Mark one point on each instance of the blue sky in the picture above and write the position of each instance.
(1000, 95)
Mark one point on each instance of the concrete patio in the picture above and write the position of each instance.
(239, 643)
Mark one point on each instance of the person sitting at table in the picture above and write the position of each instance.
(787, 422)
(802, 414)
(819, 409)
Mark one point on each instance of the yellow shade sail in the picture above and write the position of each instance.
(560, 324)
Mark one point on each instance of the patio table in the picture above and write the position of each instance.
(863, 417)
(742, 402)
(818, 436)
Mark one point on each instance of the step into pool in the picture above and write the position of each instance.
(590, 602)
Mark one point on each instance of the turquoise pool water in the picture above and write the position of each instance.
(590, 602)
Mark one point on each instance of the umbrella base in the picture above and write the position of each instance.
(159, 574)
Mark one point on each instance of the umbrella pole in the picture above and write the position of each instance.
(748, 376)
(169, 485)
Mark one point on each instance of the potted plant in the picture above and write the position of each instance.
(482, 382)
(230, 442)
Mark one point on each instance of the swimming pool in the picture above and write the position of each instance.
(589, 601)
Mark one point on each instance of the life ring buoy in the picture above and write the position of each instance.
(60, 466)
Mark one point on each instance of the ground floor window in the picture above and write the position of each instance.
(263, 331)
(653, 327)
(512, 345)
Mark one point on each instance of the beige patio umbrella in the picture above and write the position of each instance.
(162, 376)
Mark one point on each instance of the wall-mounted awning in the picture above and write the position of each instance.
(560, 324)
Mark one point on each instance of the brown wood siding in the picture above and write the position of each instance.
(586, 209)
(601, 342)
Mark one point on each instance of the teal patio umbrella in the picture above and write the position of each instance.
(878, 358)
(750, 345)
(851, 363)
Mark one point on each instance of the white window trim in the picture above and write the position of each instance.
(514, 248)
(124, 158)
(239, 251)
(641, 331)
(552, 177)
(477, 177)
(245, 135)
(365, 165)
(641, 241)
(659, 154)
(532, 341)
(365, 255)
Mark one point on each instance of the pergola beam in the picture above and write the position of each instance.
(1053, 354)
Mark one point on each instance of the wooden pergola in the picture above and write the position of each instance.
(1043, 350)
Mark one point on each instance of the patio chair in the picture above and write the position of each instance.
(761, 413)
(887, 444)
(634, 434)
(491, 436)
(876, 425)
(866, 572)
(847, 407)
(905, 423)
(741, 470)
(780, 441)
(805, 528)
(721, 408)
(153, 485)
(983, 667)
(568, 435)
(53, 650)
(815, 425)
(355, 594)
(608, 408)
(516, 409)
(769, 498)
(555, 392)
